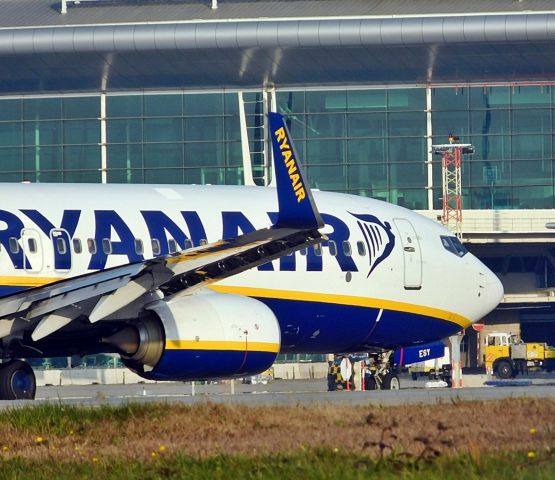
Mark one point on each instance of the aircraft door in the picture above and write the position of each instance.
(411, 253)
(32, 250)
(61, 244)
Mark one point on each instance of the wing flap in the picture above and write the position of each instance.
(54, 321)
(124, 295)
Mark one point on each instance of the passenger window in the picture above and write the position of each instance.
(32, 245)
(77, 247)
(106, 246)
(91, 245)
(188, 244)
(318, 249)
(333, 248)
(156, 246)
(361, 247)
(172, 245)
(61, 246)
(14, 245)
(347, 248)
(139, 249)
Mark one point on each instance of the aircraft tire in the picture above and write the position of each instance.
(391, 382)
(370, 383)
(17, 381)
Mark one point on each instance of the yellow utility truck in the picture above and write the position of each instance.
(507, 356)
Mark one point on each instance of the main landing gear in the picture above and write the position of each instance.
(380, 373)
(17, 381)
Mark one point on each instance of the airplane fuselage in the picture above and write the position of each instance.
(386, 277)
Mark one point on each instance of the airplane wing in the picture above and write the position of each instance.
(98, 295)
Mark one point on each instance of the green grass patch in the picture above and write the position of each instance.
(315, 464)
(52, 419)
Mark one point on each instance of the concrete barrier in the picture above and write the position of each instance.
(122, 376)
(87, 376)
(294, 371)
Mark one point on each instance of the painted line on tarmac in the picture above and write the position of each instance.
(168, 395)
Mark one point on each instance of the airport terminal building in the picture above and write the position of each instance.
(176, 92)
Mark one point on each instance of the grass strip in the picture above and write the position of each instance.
(316, 464)
(138, 434)
(53, 419)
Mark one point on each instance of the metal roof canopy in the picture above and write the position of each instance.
(290, 52)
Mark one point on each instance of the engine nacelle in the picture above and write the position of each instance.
(203, 336)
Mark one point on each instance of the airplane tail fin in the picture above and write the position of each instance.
(296, 205)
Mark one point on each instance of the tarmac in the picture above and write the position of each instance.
(292, 392)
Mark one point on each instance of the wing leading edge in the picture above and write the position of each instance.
(97, 295)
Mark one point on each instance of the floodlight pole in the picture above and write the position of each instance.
(451, 160)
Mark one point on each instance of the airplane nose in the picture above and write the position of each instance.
(492, 291)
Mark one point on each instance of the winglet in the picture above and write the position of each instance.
(296, 205)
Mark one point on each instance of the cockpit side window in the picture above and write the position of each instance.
(453, 245)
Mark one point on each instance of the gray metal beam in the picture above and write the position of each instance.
(488, 29)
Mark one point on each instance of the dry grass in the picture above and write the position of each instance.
(150, 431)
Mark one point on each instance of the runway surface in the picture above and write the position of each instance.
(280, 392)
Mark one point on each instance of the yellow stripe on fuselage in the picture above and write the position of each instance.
(28, 281)
(222, 345)
(463, 322)
(345, 300)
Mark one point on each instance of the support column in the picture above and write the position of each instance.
(430, 154)
(456, 366)
(103, 140)
(245, 149)
(271, 105)
(37, 152)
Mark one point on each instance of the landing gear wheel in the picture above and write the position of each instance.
(369, 383)
(17, 381)
(391, 382)
(504, 369)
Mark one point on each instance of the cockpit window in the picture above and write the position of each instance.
(453, 245)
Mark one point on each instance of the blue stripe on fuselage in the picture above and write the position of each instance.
(317, 327)
(6, 290)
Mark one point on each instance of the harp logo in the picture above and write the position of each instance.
(378, 237)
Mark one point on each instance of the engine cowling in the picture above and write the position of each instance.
(203, 336)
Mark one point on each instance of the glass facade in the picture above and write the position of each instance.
(50, 139)
(511, 128)
(366, 142)
(370, 142)
(173, 138)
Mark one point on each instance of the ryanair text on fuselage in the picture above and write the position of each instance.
(109, 224)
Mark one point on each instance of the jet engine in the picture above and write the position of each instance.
(201, 336)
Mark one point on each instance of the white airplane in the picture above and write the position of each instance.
(140, 270)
